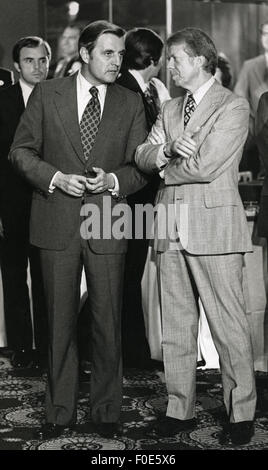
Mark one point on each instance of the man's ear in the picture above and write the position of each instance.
(201, 60)
(84, 54)
(17, 66)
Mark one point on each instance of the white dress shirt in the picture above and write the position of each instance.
(83, 96)
(26, 91)
(139, 78)
(162, 91)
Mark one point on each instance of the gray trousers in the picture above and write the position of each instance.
(218, 281)
(62, 276)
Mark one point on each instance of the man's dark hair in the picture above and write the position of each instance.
(197, 43)
(142, 47)
(92, 31)
(29, 41)
(225, 68)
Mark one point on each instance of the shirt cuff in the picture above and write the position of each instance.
(162, 161)
(52, 186)
(115, 190)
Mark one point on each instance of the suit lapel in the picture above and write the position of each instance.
(18, 98)
(113, 108)
(66, 104)
(206, 107)
(175, 118)
(203, 112)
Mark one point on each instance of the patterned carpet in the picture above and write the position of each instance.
(21, 412)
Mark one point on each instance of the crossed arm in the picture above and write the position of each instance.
(201, 157)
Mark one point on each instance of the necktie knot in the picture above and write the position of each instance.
(190, 106)
(94, 92)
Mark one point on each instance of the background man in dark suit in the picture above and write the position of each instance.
(6, 78)
(252, 82)
(261, 132)
(31, 57)
(76, 144)
(141, 65)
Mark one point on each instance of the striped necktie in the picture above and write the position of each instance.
(190, 106)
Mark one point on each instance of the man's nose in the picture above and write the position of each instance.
(117, 59)
(36, 65)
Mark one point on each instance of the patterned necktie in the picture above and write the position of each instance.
(89, 123)
(189, 108)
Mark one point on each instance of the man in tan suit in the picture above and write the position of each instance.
(196, 145)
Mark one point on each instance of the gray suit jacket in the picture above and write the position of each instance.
(48, 139)
(204, 188)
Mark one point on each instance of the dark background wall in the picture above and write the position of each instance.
(19, 18)
(233, 25)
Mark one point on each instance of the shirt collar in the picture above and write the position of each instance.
(199, 94)
(142, 84)
(26, 90)
(84, 87)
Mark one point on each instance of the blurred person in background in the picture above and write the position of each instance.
(252, 82)
(69, 61)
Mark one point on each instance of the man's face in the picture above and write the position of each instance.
(183, 68)
(69, 41)
(33, 66)
(104, 61)
(264, 37)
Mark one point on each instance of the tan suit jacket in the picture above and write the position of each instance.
(207, 183)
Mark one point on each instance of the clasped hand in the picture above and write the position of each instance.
(76, 185)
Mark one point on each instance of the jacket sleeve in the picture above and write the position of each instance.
(26, 150)
(150, 152)
(130, 178)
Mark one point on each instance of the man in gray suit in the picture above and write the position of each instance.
(196, 145)
(75, 144)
